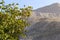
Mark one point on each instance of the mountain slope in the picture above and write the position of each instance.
(53, 8)
(45, 23)
(45, 30)
(47, 12)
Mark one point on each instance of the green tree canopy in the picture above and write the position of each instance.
(13, 21)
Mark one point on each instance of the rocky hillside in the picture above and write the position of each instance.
(47, 12)
(45, 23)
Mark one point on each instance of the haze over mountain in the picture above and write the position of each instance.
(45, 23)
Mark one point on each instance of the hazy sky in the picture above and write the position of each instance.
(34, 3)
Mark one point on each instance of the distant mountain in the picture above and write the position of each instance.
(45, 23)
(53, 8)
(50, 11)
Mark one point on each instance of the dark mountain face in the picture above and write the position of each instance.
(45, 30)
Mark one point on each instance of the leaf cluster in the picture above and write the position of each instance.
(13, 21)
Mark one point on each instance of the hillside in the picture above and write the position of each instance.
(45, 23)
(48, 12)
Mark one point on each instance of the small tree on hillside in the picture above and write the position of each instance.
(13, 21)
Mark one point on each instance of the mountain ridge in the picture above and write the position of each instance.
(50, 8)
(51, 11)
(45, 25)
(48, 25)
(54, 4)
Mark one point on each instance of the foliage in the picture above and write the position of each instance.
(13, 21)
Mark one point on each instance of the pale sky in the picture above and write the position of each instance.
(34, 3)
